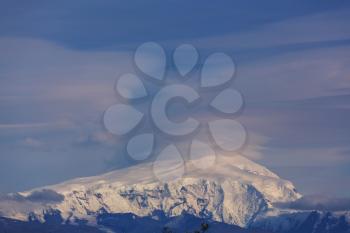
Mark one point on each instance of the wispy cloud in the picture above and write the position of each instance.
(24, 125)
(317, 27)
(318, 202)
(41, 196)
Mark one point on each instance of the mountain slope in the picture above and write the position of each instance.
(304, 222)
(235, 191)
(124, 223)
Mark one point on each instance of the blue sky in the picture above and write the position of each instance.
(59, 62)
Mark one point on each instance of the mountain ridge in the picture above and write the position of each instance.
(235, 191)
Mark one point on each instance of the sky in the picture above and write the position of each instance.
(59, 62)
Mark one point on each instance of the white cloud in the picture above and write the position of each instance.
(318, 202)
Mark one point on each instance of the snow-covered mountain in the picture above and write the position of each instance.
(234, 191)
(292, 221)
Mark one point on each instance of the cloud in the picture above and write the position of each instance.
(41, 72)
(318, 27)
(40, 196)
(45, 195)
(295, 75)
(40, 126)
(318, 202)
(23, 125)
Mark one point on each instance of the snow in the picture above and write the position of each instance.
(235, 190)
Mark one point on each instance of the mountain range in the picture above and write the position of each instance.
(234, 195)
